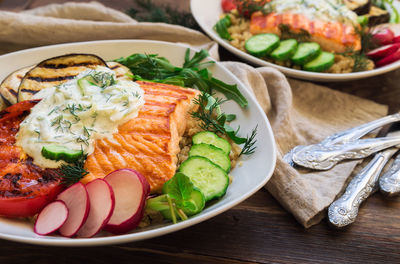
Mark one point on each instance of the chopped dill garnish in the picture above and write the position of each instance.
(74, 172)
(37, 131)
(54, 109)
(57, 120)
(103, 79)
(83, 139)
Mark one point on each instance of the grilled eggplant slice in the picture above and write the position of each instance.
(55, 71)
(360, 7)
(377, 16)
(9, 86)
(121, 72)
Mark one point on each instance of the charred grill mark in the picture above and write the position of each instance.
(114, 67)
(20, 77)
(29, 91)
(63, 66)
(13, 178)
(3, 113)
(54, 79)
(13, 92)
(8, 103)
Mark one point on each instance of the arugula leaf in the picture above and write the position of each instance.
(196, 59)
(193, 73)
(222, 27)
(230, 91)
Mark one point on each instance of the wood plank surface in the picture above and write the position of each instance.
(258, 230)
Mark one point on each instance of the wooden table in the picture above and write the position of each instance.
(258, 230)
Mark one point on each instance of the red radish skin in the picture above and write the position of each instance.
(102, 203)
(384, 36)
(51, 218)
(77, 201)
(396, 39)
(389, 59)
(383, 51)
(131, 190)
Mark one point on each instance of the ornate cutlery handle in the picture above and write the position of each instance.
(389, 183)
(346, 136)
(344, 210)
(359, 131)
(321, 157)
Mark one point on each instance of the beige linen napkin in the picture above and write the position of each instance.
(299, 112)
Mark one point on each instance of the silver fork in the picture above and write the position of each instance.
(343, 137)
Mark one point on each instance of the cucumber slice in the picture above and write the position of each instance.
(209, 178)
(57, 152)
(216, 155)
(210, 138)
(261, 45)
(285, 50)
(321, 63)
(306, 52)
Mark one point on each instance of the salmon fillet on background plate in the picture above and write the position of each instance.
(332, 36)
(148, 143)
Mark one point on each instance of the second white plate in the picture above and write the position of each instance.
(207, 13)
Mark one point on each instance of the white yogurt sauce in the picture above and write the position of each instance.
(78, 112)
(326, 10)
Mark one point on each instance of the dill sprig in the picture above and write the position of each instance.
(74, 172)
(368, 43)
(287, 33)
(208, 113)
(248, 147)
(214, 120)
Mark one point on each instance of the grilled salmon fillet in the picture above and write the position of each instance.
(148, 143)
(331, 36)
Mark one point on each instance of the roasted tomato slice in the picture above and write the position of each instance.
(24, 187)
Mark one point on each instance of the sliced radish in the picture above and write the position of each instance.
(77, 201)
(396, 39)
(102, 202)
(383, 51)
(389, 59)
(51, 218)
(131, 190)
(384, 36)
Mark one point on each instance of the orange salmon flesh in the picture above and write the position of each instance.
(148, 143)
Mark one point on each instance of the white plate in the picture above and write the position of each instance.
(247, 178)
(207, 13)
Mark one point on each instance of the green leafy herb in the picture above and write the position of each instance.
(214, 120)
(221, 27)
(74, 172)
(287, 33)
(368, 43)
(193, 73)
(147, 11)
(177, 199)
(249, 147)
